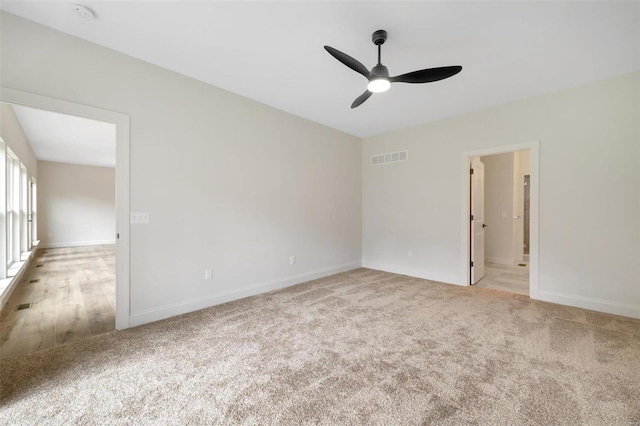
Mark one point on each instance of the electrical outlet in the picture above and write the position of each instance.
(208, 274)
(139, 217)
(292, 260)
(410, 253)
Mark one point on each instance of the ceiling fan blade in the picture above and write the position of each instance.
(352, 63)
(360, 99)
(427, 75)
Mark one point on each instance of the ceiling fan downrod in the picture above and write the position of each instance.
(378, 38)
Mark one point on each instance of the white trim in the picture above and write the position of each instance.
(13, 281)
(412, 272)
(3, 210)
(500, 260)
(534, 148)
(122, 181)
(78, 244)
(187, 306)
(590, 303)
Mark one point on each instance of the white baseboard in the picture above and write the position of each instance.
(77, 244)
(500, 260)
(589, 303)
(417, 273)
(186, 306)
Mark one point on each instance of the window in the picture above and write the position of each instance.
(24, 223)
(13, 208)
(9, 209)
(32, 216)
(17, 212)
(3, 210)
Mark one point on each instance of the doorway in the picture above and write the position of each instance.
(526, 217)
(496, 251)
(66, 290)
(498, 205)
(121, 122)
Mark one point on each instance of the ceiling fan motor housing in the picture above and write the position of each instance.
(379, 37)
(379, 71)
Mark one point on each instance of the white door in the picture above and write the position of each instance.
(477, 220)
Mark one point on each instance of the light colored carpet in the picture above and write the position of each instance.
(362, 347)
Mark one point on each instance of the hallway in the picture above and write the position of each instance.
(511, 278)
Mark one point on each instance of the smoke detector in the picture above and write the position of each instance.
(83, 11)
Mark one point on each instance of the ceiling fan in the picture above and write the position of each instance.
(379, 80)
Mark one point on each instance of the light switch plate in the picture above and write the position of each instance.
(139, 217)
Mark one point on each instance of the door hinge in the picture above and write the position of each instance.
(472, 263)
(471, 170)
(471, 217)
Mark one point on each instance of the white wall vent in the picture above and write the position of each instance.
(392, 157)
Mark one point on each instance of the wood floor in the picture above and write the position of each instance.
(72, 296)
(511, 278)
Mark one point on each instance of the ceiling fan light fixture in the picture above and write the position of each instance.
(379, 80)
(379, 85)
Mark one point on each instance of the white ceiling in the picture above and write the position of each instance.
(68, 139)
(273, 51)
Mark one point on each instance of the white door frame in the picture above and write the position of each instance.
(534, 148)
(122, 181)
(475, 183)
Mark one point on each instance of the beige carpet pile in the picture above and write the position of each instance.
(362, 347)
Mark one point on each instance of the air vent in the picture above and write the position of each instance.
(23, 306)
(392, 157)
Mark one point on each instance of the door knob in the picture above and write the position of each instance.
(484, 225)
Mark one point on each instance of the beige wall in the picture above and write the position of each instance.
(76, 204)
(13, 135)
(236, 186)
(231, 184)
(504, 206)
(589, 236)
(498, 202)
